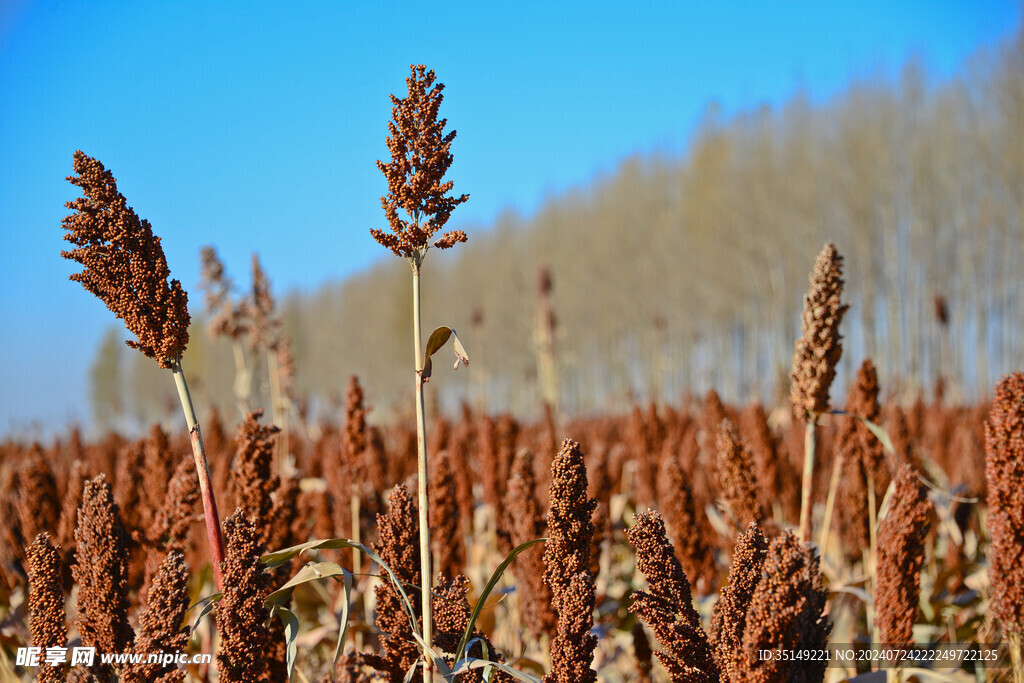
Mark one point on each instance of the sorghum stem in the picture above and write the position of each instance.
(808, 479)
(830, 504)
(421, 484)
(214, 536)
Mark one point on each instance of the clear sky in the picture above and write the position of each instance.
(255, 126)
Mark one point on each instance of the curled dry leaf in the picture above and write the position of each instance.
(436, 342)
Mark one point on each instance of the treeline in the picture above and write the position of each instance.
(680, 273)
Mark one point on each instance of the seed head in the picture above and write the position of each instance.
(736, 475)
(160, 623)
(46, 601)
(398, 545)
(729, 617)
(241, 614)
(667, 605)
(101, 571)
(420, 157)
(819, 348)
(228, 316)
(785, 613)
(1004, 471)
(901, 540)
(124, 264)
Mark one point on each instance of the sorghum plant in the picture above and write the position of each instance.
(814, 362)
(420, 158)
(125, 267)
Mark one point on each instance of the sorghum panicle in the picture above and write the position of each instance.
(819, 348)
(1004, 471)
(125, 266)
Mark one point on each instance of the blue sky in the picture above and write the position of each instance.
(255, 126)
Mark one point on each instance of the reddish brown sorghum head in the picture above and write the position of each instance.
(901, 545)
(667, 604)
(687, 526)
(642, 652)
(736, 475)
(758, 435)
(819, 348)
(863, 459)
(101, 571)
(259, 309)
(227, 317)
(158, 466)
(572, 648)
(863, 402)
(528, 523)
(128, 483)
(446, 525)
(69, 510)
(451, 617)
(160, 623)
(355, 430)
(570, 530)
(170, 527)
(241, 614)
(46, 601)
(398, 545)
(1004, 472)
(420, 157)
(124, 264)
(786, 612)
(253, 482)
(729, 616)
(567, 567)
(38, 503)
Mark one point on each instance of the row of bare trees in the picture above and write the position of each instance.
(685, 272)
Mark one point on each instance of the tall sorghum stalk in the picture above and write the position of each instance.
(1004, 470)
(266, 336)
(227, 319)
(814, 362)
(355, 447)
(125, 267)
(420, 157)
(544, 338)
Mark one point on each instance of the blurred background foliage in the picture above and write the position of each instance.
(677, 273)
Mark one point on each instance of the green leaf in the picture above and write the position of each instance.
(291, 632)
(491, 583)
(278, 558)
(436, 342)
(207, 603)
(875, 429)
(472, 663)
(435, 656)
(314, 571)
(342, 622)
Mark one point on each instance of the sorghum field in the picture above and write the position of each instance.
(693, 540)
